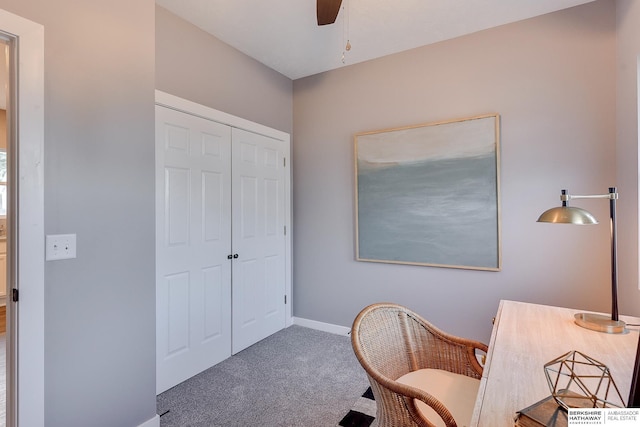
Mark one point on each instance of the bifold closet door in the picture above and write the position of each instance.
(258, 237)
(193, 241)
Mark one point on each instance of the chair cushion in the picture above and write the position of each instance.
(456, 392)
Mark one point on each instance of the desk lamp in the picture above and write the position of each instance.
(566, 214)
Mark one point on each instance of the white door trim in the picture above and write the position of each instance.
(180, 104)
(30, 214)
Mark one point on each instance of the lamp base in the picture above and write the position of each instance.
(600, 323)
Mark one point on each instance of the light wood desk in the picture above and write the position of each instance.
(524, 338)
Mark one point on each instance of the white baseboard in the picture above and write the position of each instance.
(153, 422)
(321, 326)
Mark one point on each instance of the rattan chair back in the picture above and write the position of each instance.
(389, 341)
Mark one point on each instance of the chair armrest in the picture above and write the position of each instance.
(458, 355)
(408, 394)
(478, 356)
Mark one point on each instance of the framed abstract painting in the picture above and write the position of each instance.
(429, 194)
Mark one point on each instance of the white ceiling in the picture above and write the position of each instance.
(284, 35)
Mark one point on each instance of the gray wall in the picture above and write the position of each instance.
(628, 73)
(553, 81)
(99, 183)
(194, 65)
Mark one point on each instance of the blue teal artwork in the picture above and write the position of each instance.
(429, 194)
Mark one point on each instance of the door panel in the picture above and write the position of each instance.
(175, 288)
(193, 217)
(258, 238)
(212, 193)
(214, 287)
(177, 206)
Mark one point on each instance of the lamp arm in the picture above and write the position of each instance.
(565, 197)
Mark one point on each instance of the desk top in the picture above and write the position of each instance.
(524, 338)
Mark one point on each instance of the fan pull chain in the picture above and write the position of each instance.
(345, 29)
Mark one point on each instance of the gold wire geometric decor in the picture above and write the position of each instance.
(579, 381)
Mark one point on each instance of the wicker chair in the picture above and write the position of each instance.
(400, 351)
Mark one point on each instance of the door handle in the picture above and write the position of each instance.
(232, 256)
(235, 255)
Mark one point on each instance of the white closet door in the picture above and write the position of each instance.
(258, 237)
(193, 274)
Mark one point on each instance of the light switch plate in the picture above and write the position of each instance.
(60, 246)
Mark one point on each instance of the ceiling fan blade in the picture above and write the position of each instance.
(327, 11)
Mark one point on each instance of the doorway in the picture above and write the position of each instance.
(4, 220)
(25, 271)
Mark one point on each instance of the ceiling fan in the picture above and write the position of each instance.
(327, 11)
